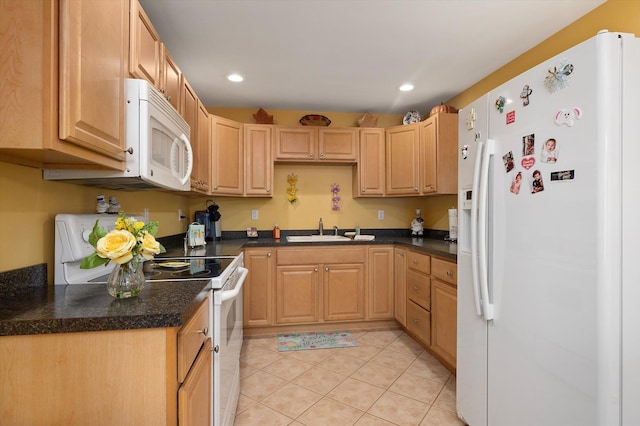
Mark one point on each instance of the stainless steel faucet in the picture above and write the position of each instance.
(321, 227)
(335, 230)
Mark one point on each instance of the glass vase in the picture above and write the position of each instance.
(126, 280)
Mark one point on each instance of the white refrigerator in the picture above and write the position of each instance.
(548, 257)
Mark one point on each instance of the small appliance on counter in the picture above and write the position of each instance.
(208, 218)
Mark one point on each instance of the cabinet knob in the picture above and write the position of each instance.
(401, 253)
(215, 188)
(268, 189)
(216, 348)
(321, 154)
(169, 98)
(415, 189)
(449, 273)
(130, 150)
(311, 155)
(315, 269)
(326, 268)
(269, 254)
(416, 288)
(204, 331)
(415, 321)
(416, 261)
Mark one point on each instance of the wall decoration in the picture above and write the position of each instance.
(500, 103)
(335, 189)
(262, 117)
(411, 117)
(292, 180)
(567, 116)
(524, 95)
(558, 77)
(549, 153)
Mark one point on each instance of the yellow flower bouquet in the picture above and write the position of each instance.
(127, 245)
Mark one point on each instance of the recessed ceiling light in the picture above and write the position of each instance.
(407, 87)
(236, 78)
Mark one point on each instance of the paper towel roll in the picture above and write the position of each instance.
(453, 224)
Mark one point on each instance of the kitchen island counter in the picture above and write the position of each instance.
(89, 307)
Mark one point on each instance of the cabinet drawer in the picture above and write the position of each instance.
(419, 322)
(321, 255)
(444, 271)
(419, 262)
(191, 337)
(419, 289)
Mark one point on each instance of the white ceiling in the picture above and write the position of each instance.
(350, 55)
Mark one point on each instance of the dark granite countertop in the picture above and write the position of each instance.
(29, 306)
(89, 307)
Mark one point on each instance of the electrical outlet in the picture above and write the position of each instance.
(254, 214)
(180, 215)
(146, 215)
(380, 214)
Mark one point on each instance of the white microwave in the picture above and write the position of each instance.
(158, 151)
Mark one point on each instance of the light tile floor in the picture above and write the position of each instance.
(387, 380)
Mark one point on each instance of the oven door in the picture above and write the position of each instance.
(228, 326)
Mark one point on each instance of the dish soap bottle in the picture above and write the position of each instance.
(276, 232)
(357, 229)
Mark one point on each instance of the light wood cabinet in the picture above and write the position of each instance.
(312, 144)
(320, 284)
(62, 91)
(189, 111)
(369, 172)
(170, 78)
(258, 290)
(380, 295)
(258, 139)
(400, 284)
(155, 376)
(402, 160)
(144, 46)
(298, 294)
(227, 157)
(444, 310)
(419, 322)
(201, 147)
(195, 393)
(419, 295)
(439, 154)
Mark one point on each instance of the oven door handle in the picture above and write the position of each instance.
(230, 294)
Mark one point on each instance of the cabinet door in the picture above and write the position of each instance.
(189, 111)
(369, 178)
(295, 143)
(343, 291)
(92, 72)
(444, 310)
(171, 76)
(257, 292)
(194, 396)
(402, 172)
(400, 281)
(428, 132)
(338, 144)
(298, 297)
(380, 286)
(202, 145)
(227, 157)
(258, 160)
(144, 47)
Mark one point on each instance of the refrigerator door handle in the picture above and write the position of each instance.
(475, 274)
(483, 207)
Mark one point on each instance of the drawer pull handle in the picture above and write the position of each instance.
(415, 261)
(204, 331)
(416, 288)
(415, 321)
(449, 273)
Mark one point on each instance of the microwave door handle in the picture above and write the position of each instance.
(184, 179)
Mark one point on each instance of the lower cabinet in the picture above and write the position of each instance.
(380, 290)
(400, 282)
(444, 307)
(258, 290)
(154, 376)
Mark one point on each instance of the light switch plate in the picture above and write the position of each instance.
(380, 214)
(254, 214)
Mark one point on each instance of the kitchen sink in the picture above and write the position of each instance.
(315, 238)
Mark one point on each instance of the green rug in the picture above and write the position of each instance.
(315, 340)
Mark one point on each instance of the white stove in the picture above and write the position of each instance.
(226, 273)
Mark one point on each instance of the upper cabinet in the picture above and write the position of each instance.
(144, 46)
(62, 96)
(439, 154)
(258, 157)
(403, 162)
(422, 157)
(201, 147)
(149, 58)
(368, 176)
(227, 157)
(316, 144)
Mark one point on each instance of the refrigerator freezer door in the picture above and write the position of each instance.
(550, 346)
(471, 379)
